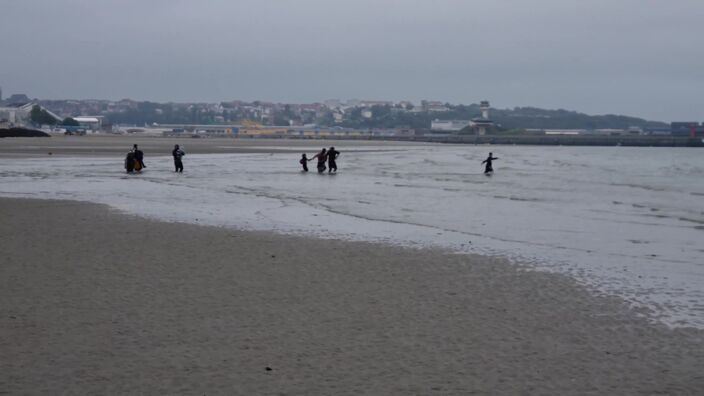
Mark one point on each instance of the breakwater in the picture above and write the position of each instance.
(633, 141)
(638, 141)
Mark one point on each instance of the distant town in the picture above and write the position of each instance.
(330, 118)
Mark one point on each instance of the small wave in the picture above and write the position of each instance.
(677, 170)
(643, 187)
(408, 186)
(639, 206)
(697, 221)
(659, 216)
(523, 199)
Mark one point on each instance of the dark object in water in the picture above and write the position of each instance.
(304, 162)
(129, 162)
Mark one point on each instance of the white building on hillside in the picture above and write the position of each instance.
(449, 125)
(92, 123)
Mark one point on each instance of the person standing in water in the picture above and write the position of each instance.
(178, 154)
(129, 162)
(489, 168)
(304, 162)
(139, 156)
(332, 156)
(321, 156)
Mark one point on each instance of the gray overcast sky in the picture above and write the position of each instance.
(637, 57)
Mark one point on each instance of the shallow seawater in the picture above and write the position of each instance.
(626, 221)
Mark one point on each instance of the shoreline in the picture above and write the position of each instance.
(96, 301)
(118, 145)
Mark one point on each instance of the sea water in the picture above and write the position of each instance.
(624, 221)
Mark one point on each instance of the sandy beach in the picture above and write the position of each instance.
(93, 301)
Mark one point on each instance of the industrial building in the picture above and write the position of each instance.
(692, 129)
(91, 123)
(16, 114)
(19, 114)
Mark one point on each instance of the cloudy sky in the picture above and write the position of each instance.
(637, 57)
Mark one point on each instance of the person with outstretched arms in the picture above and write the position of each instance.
(489, 168)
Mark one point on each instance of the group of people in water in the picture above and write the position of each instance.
(324, 155)
(134, 161)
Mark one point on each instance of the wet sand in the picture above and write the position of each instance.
(97, 302)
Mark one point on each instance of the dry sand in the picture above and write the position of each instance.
(97, 302)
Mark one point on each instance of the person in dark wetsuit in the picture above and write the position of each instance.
(178, 154)
(489, 168)
(139, 156)
(321, 156)
(304, 162)
(129, 162)
(332, 156)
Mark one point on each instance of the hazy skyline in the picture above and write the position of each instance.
(634, 57)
